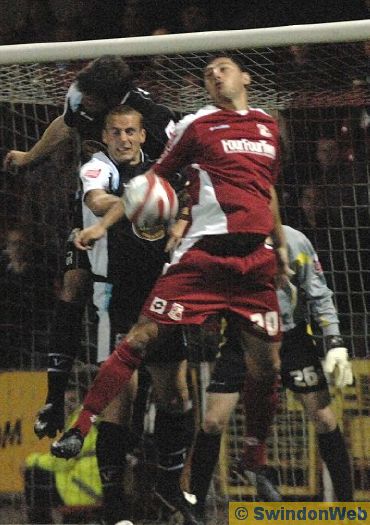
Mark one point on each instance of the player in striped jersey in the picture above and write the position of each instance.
(98, 87)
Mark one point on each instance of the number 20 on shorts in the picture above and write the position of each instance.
(269, 321)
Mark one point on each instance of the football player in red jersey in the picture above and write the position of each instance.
(223, 263)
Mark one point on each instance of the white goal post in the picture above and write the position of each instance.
(352, 31)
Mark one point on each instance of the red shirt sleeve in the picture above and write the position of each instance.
(180, 150)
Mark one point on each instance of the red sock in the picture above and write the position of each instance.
(113, 374)
(260, 403)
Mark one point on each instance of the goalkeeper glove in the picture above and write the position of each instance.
(49, 420)
(337, 357)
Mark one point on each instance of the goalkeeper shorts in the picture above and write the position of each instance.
(301, 369)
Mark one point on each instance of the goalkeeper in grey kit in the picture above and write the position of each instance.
(309, 297)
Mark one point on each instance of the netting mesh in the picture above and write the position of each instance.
(328, 75)
(36, 83)
(318, 93)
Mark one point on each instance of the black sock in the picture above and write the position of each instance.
(334, 452)
(66, 343)
(41, 495)
(203, 461)
(171, 437)
(111, 456)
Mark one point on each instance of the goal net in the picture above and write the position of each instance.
(315, 80)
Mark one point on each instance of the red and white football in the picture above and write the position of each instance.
(149, 200)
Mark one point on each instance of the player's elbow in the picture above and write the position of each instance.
(60, 128)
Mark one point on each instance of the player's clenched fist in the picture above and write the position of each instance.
(85, 239)
(16, 158)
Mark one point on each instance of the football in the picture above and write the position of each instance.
(149, 200)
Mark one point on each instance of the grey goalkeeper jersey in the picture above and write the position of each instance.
(307, 296)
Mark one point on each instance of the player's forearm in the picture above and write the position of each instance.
(53, 135)
(325, 315)
(102, 203)
(113, 215)
(330, 330)
(319, 296)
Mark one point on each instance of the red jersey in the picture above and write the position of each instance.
(234, 156)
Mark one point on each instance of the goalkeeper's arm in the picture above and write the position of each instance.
(54, 134)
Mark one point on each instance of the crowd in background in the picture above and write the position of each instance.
(24, 21)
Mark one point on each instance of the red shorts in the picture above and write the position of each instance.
(200, 284)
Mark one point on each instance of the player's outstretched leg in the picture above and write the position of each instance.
(172, 432)
(65, 346)
(114, 373)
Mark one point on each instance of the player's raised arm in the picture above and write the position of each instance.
(55, 133)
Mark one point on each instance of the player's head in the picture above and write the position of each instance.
(124, 134)
(225, 80)
(104, 82)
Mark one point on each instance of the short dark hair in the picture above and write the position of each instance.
(123, 109)
(108, 78)
(224, 54)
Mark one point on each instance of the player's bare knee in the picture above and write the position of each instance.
(318, 409)
(214, 424)
(142, 334)
(213, 427)
(324, 420)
